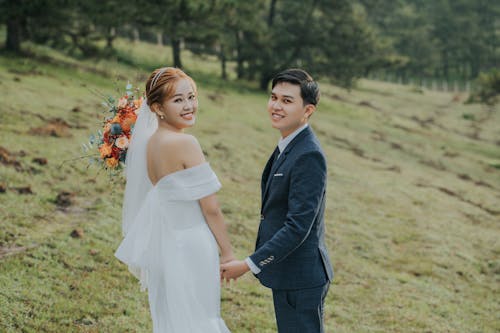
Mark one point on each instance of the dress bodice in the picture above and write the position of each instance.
(188, 184)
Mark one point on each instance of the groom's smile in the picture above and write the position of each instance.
(277, 116)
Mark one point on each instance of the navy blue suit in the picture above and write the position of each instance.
(290, 247)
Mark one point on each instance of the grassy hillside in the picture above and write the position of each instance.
(413, 216)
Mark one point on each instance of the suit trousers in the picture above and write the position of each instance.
(301, 310)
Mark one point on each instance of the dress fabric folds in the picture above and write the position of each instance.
(171, 249)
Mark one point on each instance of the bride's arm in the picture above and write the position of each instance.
(215, 220)
(192, 155)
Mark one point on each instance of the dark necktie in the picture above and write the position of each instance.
(276, 154)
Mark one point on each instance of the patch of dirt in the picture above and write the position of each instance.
(77, 233)
(378, 136)
(31, 71)
(64, 199)
(219, 146)
(23, 190)
(7, 158)
(406, 129)
(457, 98)
(216, 97)
(337, 97)
(451, 154)
(368, 105)
(438, 165)
(56, 127)
(423, 122)
(346, 144)
(40, 160)
(395, 145)
(454, 194)
(467, 178)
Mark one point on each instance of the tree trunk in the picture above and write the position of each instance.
(264, 81)
(239, 56)
(445, 65)
(14, 27)
(137, 37)
(272, 11)
(176, 51)
(223, 62)
(159, 39)
(110, 37)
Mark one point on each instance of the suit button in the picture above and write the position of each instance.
(261, 216)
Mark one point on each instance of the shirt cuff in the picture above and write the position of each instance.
(253, 267)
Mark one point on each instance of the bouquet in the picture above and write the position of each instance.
(113, 140)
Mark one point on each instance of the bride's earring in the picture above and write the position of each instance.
(162, 117)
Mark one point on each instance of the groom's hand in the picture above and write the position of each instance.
(234, 269)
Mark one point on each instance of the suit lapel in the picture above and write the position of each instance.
(274, 166)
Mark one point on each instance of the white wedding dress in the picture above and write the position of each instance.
(171, 248)
(167, 243)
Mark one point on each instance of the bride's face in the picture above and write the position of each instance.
(180, 109)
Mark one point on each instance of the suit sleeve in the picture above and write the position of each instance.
(307, 188)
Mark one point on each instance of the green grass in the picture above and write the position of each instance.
(413, 217)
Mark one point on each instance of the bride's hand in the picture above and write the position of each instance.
(225, 258)
(233, 269)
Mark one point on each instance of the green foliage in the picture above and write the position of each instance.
(487, 89)
(440, 39)
(339, 40)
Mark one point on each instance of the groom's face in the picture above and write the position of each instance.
(286, 108)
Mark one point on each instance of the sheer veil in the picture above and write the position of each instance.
(138, 183)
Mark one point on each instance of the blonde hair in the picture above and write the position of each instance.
(162, 82)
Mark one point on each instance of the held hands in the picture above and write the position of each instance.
(232, 270)
(225, 258)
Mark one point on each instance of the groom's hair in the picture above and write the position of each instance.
(309, 89)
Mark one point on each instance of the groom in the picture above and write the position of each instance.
(291, 257)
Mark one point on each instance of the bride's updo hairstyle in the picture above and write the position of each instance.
(161, 84)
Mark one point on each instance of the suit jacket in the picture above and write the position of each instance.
(290, 247)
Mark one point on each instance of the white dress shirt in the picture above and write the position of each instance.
(282, 144)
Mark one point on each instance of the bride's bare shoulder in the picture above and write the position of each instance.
(179, 144)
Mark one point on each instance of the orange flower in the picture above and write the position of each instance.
(111, 162)
(128, 121)
(105, 150)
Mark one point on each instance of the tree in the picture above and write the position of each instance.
(17, 14)
(326, 37)
(225, 32)
(107, 16)
(180, 20)
(447, 39)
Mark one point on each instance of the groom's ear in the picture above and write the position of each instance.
(310, 108)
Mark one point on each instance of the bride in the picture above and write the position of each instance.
(172, 222)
